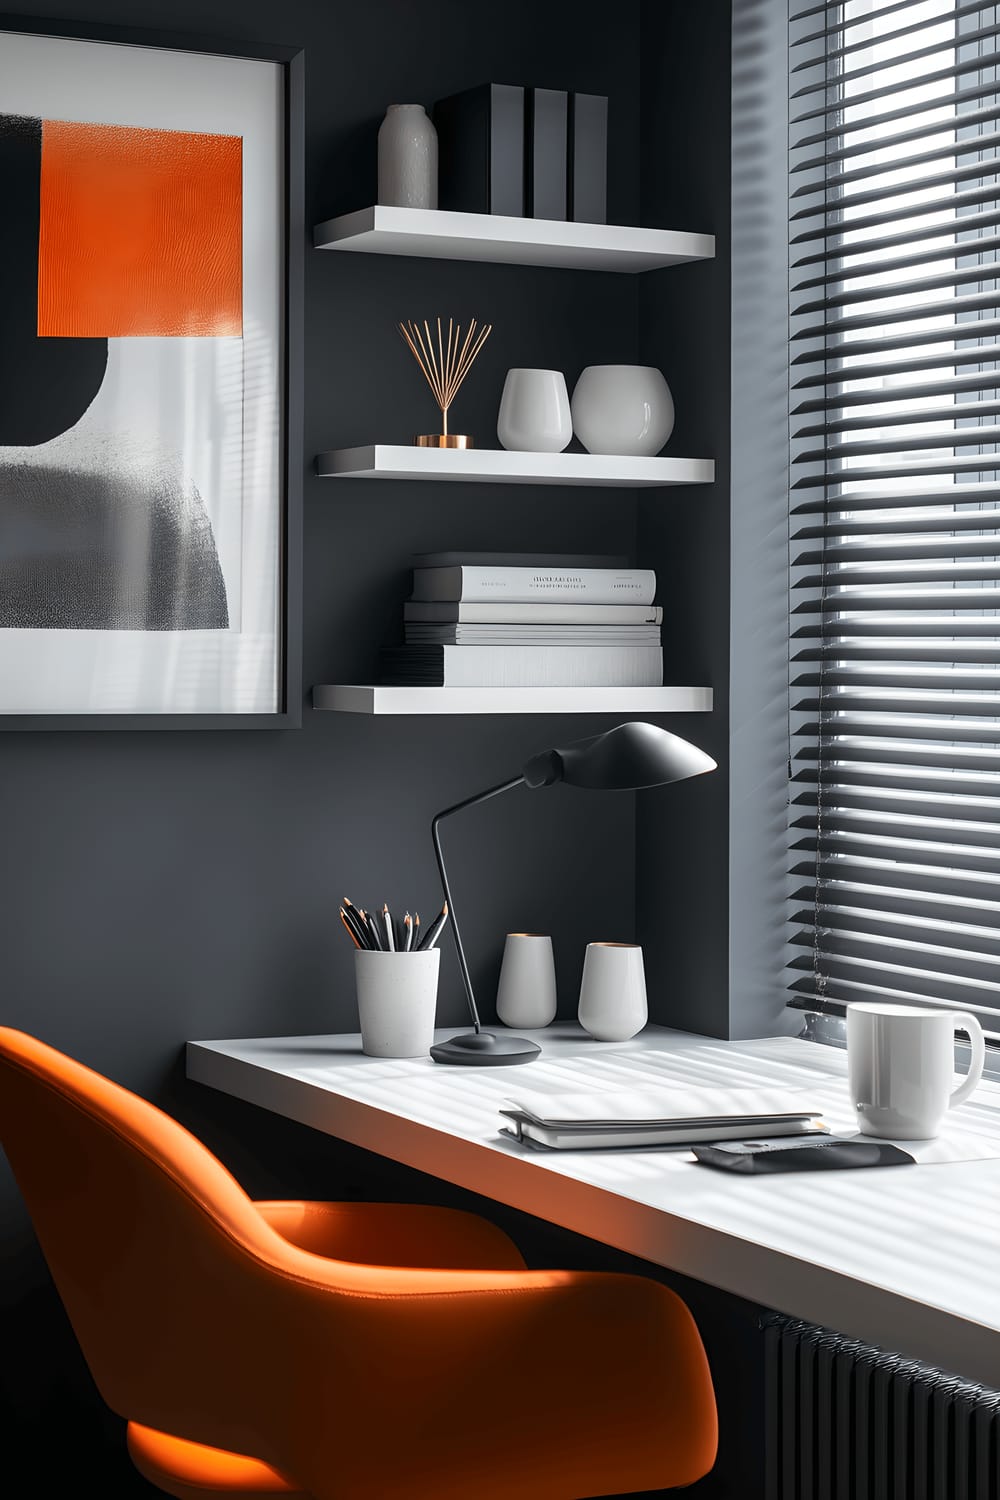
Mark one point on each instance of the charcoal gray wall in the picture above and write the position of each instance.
(161, 886)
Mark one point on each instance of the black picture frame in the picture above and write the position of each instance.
(291, 60)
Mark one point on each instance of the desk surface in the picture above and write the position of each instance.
(904, 1257)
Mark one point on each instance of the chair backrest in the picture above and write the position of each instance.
(159, 1256)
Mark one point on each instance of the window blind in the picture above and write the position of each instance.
(895, 506)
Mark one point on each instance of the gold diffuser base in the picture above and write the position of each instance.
(444, 440)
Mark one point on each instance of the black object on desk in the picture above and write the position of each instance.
(830, 1154)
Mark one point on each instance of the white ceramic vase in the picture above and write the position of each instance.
(526, 994)
(613, 991)
(397, 1000)
(407, 158)
(534, 412)
(622, 409)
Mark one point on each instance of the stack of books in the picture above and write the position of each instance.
(520, 620)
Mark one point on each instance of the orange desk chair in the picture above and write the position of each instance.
(326, 1351)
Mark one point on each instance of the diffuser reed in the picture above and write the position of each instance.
(445, 364)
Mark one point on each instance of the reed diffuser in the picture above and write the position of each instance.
(445, 364)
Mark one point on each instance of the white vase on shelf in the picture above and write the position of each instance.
(407, 158)
(623, 409)
(534, 414)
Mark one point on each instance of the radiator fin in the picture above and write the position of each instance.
(848, 1421)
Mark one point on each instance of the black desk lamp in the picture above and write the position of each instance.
(624, 759)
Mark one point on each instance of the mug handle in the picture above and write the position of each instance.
(977, 1062)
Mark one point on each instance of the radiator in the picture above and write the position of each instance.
(846, 1421)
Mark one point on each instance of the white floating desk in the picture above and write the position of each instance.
(905, 1257)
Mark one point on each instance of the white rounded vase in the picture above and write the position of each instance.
(623, 409)
(407, 158)
(613, 991)
(534, 412)
(526, 994)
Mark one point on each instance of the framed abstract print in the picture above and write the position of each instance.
(149, 308)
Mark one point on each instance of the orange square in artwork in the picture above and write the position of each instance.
(141, 233)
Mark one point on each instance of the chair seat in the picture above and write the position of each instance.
(192, 1471)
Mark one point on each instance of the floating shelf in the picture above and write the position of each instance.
(497, 466)
(351, 699)
(384, 230)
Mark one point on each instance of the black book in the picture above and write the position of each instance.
(588, 158)
(481, 150)
(548, 153)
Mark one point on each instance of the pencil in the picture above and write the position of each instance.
(357, 918)
(415, 944)
(357, 929)
(390, 936)
(407, 933)
(435, 932)
(350, 930)
(376, 936)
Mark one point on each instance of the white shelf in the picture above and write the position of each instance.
(366, 699)
(384, 230)
(497, 466)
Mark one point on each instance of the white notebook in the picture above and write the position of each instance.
(657, 1117)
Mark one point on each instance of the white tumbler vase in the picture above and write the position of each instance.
(613, 991)
(407, 158)
(534, 412)
(397, 1001)
(526, 994)
(623, 409)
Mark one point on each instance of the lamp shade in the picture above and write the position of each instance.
(626, 758)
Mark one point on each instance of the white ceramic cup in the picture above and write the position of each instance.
(613, 991)
(397, 1000)
(534, 414)
(526, 994)
(901, 1067)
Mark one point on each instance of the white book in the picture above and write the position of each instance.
(534, 585)
(523, 666)
(444, 612)
(532, 635)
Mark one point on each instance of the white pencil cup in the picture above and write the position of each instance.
(613, 991)
(397, 1000)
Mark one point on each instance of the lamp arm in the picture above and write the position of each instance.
(494, 791)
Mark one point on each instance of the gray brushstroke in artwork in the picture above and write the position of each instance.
(100, 534)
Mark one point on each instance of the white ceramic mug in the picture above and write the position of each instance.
(526, 994)
(613, 991)
(901, 1067)
(397, 1000)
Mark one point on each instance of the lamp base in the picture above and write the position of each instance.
(478, 1049)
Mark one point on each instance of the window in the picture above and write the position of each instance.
(895, 513)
